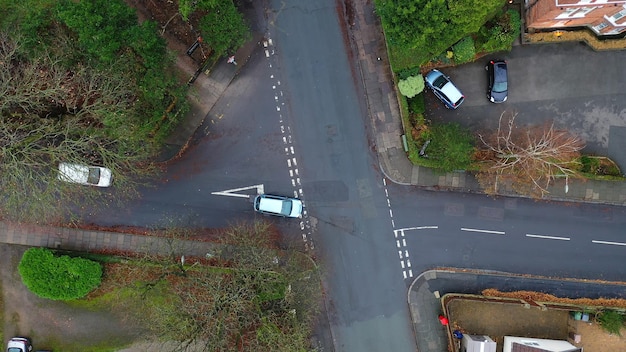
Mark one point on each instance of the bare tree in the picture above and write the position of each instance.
(527, 159)
(27, 86)
(251, 296)
(50, 112)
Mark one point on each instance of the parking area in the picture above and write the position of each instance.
(579, 89)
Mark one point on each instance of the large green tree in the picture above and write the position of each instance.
(94, 90)
(102, 26)
(430, 26)
(222, 26)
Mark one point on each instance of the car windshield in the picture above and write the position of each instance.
(286, 207)
(94, 175)
(499, 87)
(14, 349)
(440, 82)
(500, 79)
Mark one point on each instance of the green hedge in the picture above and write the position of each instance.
(500, 33)
(451, 146)
(464, 50)
(58, 278)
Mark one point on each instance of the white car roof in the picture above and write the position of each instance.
(449, 89)
(77, 173)
(278, 205)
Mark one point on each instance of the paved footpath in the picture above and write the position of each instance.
(91, 240)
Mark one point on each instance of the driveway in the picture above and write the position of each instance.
(579, 89)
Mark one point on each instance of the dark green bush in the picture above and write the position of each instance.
(450, 147)
(464, 50)
(611, 321)
(408, 72)
(223, 27)
(500, 33)
(102, 25)
(58, 278)
(417, 104)
(589, 164)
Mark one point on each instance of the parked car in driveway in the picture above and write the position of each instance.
(85, 175)
(278, 205)
(444, 89)
(19, 344)
(498, 81)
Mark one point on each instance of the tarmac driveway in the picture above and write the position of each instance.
(579, 89)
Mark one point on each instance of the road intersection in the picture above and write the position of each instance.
(314, 116)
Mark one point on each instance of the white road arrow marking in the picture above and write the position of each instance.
(233, 192)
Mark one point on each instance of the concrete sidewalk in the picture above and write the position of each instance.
(75, 239)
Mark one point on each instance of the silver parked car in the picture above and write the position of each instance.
(278, 205)
(85, 175)
(443, 88)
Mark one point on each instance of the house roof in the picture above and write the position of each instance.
(604, 17)
(526, 344)
(478, 343)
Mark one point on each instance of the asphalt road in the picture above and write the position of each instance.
(512, 235)
(342, 185)
(295, 121)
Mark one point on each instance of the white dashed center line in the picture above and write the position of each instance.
(610, 243)
(549, 237)
(483, 231)
(290, 151)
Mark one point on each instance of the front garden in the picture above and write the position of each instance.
(458, 33)
(247, 294)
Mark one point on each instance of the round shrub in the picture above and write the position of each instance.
(411, 86)
(58, 278)
(464, 50)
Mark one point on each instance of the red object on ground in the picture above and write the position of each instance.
(443, 320)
